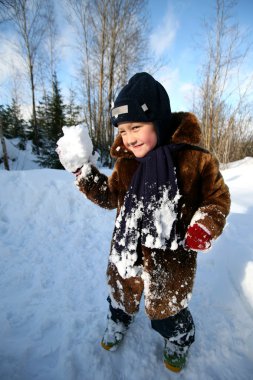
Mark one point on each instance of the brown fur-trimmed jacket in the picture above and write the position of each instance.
(168, 276)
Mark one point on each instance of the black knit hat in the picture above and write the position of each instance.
(143, 99)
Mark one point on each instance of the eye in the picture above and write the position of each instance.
(136, 127)
(122, 132)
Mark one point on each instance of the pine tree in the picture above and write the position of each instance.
(4, 120)
(51, 119)
(14, 126)
(73, 111)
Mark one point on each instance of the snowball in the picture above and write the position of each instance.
(74, 148)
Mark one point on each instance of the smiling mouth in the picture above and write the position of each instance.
(137, 146)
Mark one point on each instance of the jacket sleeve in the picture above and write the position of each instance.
(215, 198)
(99, 188)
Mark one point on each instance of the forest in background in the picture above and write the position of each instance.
(110, 39)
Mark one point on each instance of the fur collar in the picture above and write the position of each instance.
(187, 131)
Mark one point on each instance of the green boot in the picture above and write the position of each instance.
(174, 357)
(113, 335)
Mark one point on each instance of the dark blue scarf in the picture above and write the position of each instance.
(148, 215)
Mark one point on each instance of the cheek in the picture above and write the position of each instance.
(152, 139)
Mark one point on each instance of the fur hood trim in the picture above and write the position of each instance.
(187, 131)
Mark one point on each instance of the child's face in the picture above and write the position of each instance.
(139, 138)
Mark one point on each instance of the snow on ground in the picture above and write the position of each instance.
(54, 246)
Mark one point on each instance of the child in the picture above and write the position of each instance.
(171, 202)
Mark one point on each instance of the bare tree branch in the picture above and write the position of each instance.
(30, 18)
(221, 97)
(112, 36)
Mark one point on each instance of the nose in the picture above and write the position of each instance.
(131, 140)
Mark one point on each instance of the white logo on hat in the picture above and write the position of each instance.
(119, 111)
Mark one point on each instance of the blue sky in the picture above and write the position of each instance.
(175, 39)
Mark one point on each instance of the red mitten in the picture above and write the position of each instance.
(197, 238)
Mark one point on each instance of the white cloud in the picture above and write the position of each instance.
(26, 111)
(187, 90)
(181, 93)
(168, 77)
(10, 62)
(13, 71)
(164, 35)
(187, 87)
(13, 78)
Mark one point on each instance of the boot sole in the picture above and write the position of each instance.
(109, 348)
(171, 367)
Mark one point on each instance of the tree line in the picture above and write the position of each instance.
(51, 115)
(111, 38)
(110, 35)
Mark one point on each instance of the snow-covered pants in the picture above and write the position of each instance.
(179, 329)
(166, 283)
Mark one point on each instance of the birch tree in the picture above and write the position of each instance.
(112, 40)
(30, 18)
(223, 104)
(4, 10)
